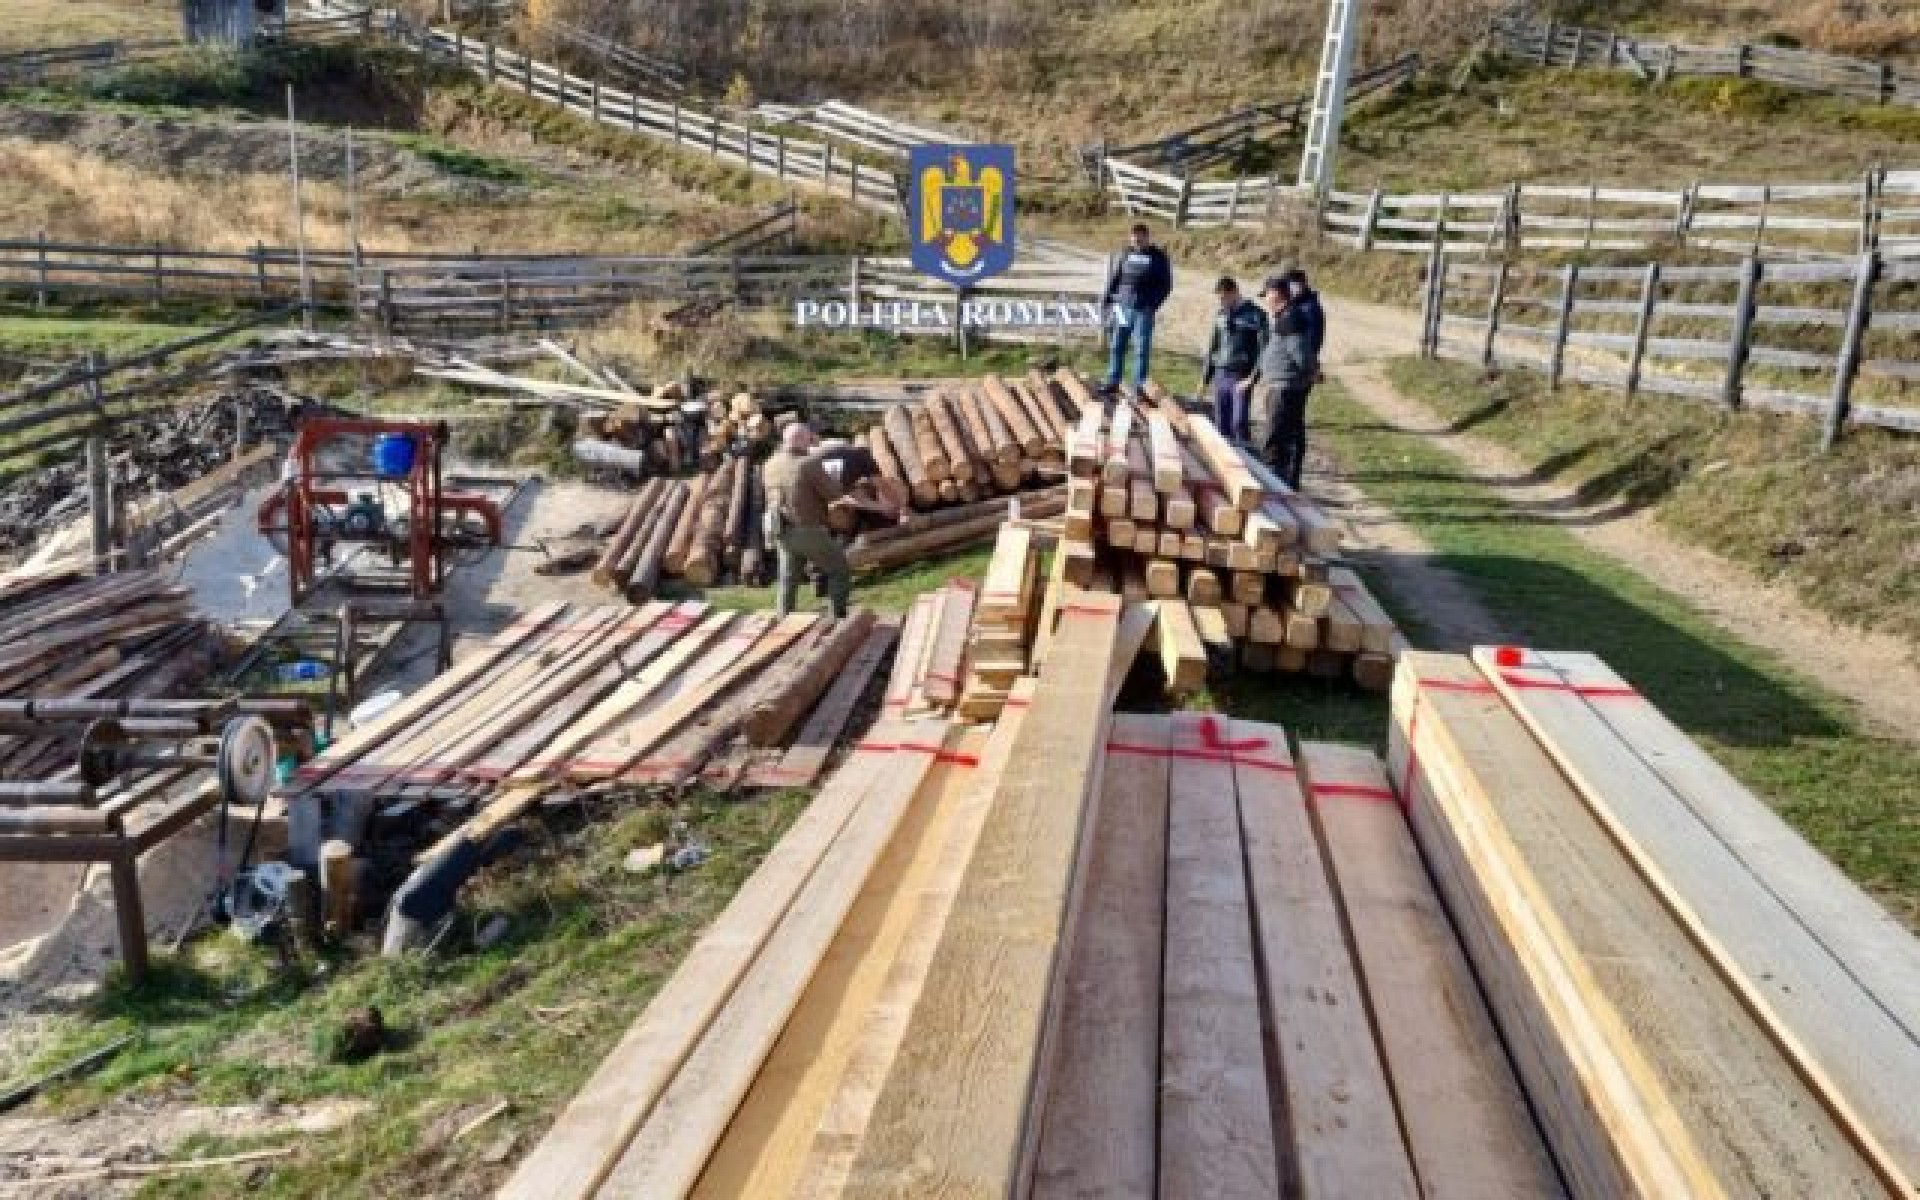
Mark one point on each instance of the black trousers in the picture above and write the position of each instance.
(1285, 447)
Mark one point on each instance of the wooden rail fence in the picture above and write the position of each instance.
(1547, 43)
(792, 160)
(637, 68)
(1232, 138)
(1880, 211)
(1793, 337)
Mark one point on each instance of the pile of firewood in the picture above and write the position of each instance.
(704, 530)
(65, 635)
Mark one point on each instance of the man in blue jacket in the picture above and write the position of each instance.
(1141, 281)
(1308, 301)
(1239, 333)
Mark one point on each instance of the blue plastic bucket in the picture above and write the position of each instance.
(393, 454)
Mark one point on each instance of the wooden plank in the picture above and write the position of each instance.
(596, 1126)
(1468, 1130)
(768, 1141)
(952, 1118)
(1183, 656)
(671, 1148)
(1217, 1124)
(883, 1024)
(946, 665)
(1169, 471)
(1847, 1045)
(1099, 1133)
(1649, 1077)
(801, 765)
(1345, 1133)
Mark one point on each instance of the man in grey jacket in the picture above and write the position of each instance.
(1280, 383)
(1239, 332)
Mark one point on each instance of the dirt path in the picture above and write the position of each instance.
(1876, 673)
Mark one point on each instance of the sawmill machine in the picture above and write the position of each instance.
(364, 482)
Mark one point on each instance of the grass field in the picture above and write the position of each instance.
(1796, 745)
(29, 23)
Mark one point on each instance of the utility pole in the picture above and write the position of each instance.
(299, 217)
(1330, 96)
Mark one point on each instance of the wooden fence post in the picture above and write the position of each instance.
(960, 320)
(1180, 204)
(1233, 202)
(1760, 226)
(1886, 83)
(1593, 212)
(459, 48)
(40, 297)
(1848, 367)
(853, 283)
(1569, 281)
(676, 117)
(780, 156)
(1370, 220)
(506, 300)
(386, 304)
(1546, 44)
(1436, 263)
(1440, 219)
(526, 63)
(493, 69)
(260, 269)
(1493, 315)
(595, 94)
(1683, 217)
(1514, 233)
(1743, 62)
(1579, 44)
(826, 163)
(99, 499)
(1737, 348)
(159, 271)
(1649, 297)
(1870, 189)
(1668, 62)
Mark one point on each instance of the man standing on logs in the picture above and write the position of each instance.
(1280, 382)
(799, 494)
(1239, 333)
(1142, 280)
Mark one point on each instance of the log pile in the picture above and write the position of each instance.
(704, 529)
(65, 635)
(960, 444)
(1161, 506)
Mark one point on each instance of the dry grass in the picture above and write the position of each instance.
(25, 23)
(1866, 28)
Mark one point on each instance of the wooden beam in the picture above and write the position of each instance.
(1183, 656)
(1099, 1134)
(1468, 1129)
(953, 1115)
(1216, 1119)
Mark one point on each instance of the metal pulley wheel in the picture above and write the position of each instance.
(246, 760)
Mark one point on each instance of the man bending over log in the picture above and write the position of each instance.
(800, 493)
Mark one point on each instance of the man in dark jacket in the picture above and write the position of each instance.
(1316, 317)
(1141, 281)
(1280, 382)
(1239, 332)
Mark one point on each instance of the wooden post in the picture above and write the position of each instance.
(1440, 220)
(853, 283)
(1546, 44)
(99, 500)
(506, 300)
(676, 118)
(1667, 63)
(1180, 204)
(1850, 347)
(1515, 231)
(713, 134)
(1233, 203)
(1870, 190)
(1579, 44)
(1493, 315)
(595, 94)
(129, 915)
(41, 296)
(459, 49)
(1370, 220)
(826, 164)
(260, 269)
(386, 304)
(1593, 212)
(1436, 263)
(493, 67)
(1886, 83)
(299, 216)
(1649, 297)
(1742, 330)
(159, 271)
(1760, 226)
(526, 70)
(1569, 281)
(1743, 62)
(1683, 218)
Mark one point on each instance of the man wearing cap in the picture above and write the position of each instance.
(1280, 382)
(799, 493)
(1239, 333)
(1142, 280)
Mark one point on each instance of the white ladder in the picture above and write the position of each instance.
(1330, 96)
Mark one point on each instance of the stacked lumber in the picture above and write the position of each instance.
(1161, 506)
(1698, 1002)
(1004, 618)
(66, 635)
(565, 698)
(963, 442)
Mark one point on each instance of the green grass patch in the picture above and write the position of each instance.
(56, 337)
(1849, 793)
(468, 164)
(1753, 487)
(525, 1020)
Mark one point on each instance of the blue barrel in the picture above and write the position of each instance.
(393, 454)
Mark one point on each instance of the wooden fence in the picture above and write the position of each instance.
(85, 400)
(838, 121)
(1547, 43)
(1232, 138)
(1839, 341)
(1880, 211)
(802, 163)
(636, 68)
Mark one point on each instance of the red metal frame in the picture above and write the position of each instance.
(429, 503)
